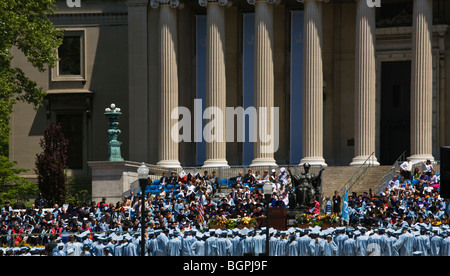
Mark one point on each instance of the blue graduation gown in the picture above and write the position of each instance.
(273, 246)
(186, 243)
(361, 245)
(259, 242)
(435, 245)
(349, 248)
(445, 247)
(282, 247)
(198, 248)
(153, 246)
(316, 247)
(329, 248)
(387, 248)
(303, 246)
(423, 244)
(293, 248)
(249, 245)
(235, 246)
(174, 247)
(405, 244)
(223, 247)
(211, 246)
(162, 241)
(340, 239)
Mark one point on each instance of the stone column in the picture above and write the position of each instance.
(264, 81)
(365, 81)
(137, 78)
(312, 84)
(168, 146)
(421, 81)
(215, 81)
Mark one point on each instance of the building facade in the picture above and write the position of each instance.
(341, 79)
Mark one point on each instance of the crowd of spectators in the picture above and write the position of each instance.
(409, 199)
(174, 208)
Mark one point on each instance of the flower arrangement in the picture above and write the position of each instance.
(304, 218)
(313, 220)
(329, 219)
(227, 223)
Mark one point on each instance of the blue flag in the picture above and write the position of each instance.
(344, 215)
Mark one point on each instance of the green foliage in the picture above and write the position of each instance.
(24, 24)
(51, 164)
(13, 186)
(77, 191)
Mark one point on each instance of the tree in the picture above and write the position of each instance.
(51, 164)
(24, 24)
(13, 186)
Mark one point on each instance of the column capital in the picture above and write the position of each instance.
(172, 3)
(204, 3)
(252, 2)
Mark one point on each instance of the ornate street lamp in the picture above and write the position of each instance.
(113, 114)
(143, 182)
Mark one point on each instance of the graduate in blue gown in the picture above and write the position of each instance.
(162, 241)
(340, 238)
(405, 243)
(259, 241)
(445, 245)
(423, 243)
(329, 247)
(235, 240)
(349, 246)
(387, 247)
(293, 246)
(224, 245)
(282, 249)
(303, 243)
(198, 246)
(211, 244)
(273, 242)
(362, 241)
(174, 245)
(186, 243)
(152, 244)
(435, 242)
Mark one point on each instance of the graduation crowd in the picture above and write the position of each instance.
(408, 218)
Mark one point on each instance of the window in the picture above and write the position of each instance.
(71, 54)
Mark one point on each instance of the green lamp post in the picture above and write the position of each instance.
(113, 113)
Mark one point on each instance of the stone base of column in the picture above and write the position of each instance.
(261, 162)
(313, 161)
(169, 164)
(421, 157)
(212, 163)
(359, 160)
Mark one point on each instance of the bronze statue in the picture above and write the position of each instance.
(307, 185)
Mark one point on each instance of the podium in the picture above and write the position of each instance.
(278, 218)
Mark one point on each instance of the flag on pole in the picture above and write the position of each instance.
(344, 214)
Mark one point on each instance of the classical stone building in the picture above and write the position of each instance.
(348, 80)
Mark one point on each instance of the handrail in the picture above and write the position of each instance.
(389, 175)
(350, 184)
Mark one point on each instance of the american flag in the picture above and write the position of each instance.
(201, 212)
